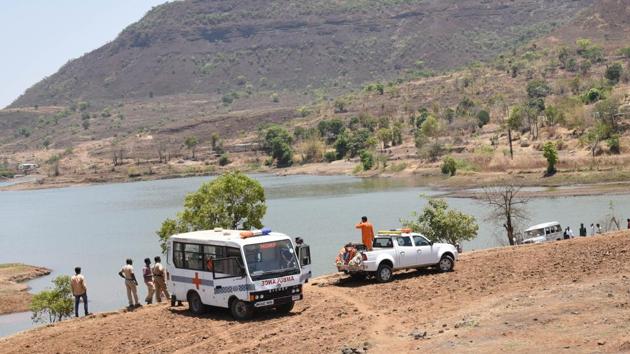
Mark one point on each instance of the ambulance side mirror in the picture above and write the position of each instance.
(305, 255)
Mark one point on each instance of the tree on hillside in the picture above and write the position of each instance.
(191, 143)
(514, 122)
(430, 127)
(276, 141)
(214, 141)
(231, 201)
(440, 224)
(507, 205)
(613, 73)
(551, 154)
(54, 304)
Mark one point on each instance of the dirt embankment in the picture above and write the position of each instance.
(14, 296)
(568, 296)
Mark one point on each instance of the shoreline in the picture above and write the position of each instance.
(14, 295)
(565, 184)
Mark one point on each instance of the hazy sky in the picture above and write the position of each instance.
(38, 36)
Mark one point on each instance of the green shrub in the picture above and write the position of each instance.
(367, 160)
(551, 154)
(613, 73)
(224, 160)
(593, 95)
(483, 117)
(449, 166)
(54, 304)
(613, 144)
(330, 156)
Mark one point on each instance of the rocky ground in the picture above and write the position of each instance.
(14, 296)
(568, 296)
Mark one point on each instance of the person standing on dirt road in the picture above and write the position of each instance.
(367, 232)
(147, 274)
(582, 230)
(131, 284)
(79, 290)
(159, 275)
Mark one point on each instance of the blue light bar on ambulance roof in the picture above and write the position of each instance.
(263, 232)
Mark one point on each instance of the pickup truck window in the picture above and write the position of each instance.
(404, 241)
(383, 242)
(421, 241)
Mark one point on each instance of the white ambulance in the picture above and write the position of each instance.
(236, 269)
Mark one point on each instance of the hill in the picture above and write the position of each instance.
(561, 296)
(240, 47)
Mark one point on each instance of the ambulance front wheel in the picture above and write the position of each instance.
(194, 303)
(286, 308)
(241, 310)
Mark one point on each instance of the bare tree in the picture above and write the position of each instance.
(507, 204)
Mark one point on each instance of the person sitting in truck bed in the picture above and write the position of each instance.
(367, 232)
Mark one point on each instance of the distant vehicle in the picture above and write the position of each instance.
(396, 250)
(27, 167)
(549, 231)
(236, 269)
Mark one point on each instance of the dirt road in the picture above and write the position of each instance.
(568, 296)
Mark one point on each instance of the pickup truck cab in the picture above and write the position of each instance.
(397, 250)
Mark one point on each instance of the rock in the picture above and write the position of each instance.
(601, 342)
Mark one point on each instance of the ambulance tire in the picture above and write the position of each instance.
(241, 310)
(286, 308)
(194, 303)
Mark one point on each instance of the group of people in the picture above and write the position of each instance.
(154, 277)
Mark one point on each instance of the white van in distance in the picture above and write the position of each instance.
(549, 231)
(236, 269)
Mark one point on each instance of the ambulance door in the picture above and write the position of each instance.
(303, 253)
(229, 277)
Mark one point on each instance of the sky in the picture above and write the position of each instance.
(38, 36)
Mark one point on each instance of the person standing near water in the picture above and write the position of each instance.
(131, 284)
(592, 230)
(147, 274)
(367, 232)
(79, 290)
(159, 279)
(599, 229)
(582, 230)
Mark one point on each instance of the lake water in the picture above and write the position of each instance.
(98, 227)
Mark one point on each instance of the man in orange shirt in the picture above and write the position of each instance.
(367, 232)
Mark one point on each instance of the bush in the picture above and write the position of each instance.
(224, 160)
(593, 95)
(342, 145)
(439, 223)
(367, 160)
(551, 154)
(538, 89)
(434, 151)
(613, 144)
(613, 72)
(449, 166)
(275, 98)
(55, 304)
(330, 156)
(276, 141)
(483, 117)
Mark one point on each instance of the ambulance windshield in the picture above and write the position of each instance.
(271, 259)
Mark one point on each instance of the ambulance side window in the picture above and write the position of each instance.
(193, 257)
(178, 254)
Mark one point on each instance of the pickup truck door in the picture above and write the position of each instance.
(424, 251)
(405, 252)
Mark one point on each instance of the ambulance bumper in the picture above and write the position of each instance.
(278, 301)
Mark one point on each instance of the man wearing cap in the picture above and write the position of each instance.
(367, 232)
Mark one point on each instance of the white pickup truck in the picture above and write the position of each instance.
(394, 251)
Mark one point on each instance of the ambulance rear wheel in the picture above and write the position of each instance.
(286, 308)
(241, 310)
(194, 303)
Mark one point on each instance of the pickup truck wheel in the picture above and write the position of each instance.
(241, 310)
(194, 303)
(384, 273)
(446, 264)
